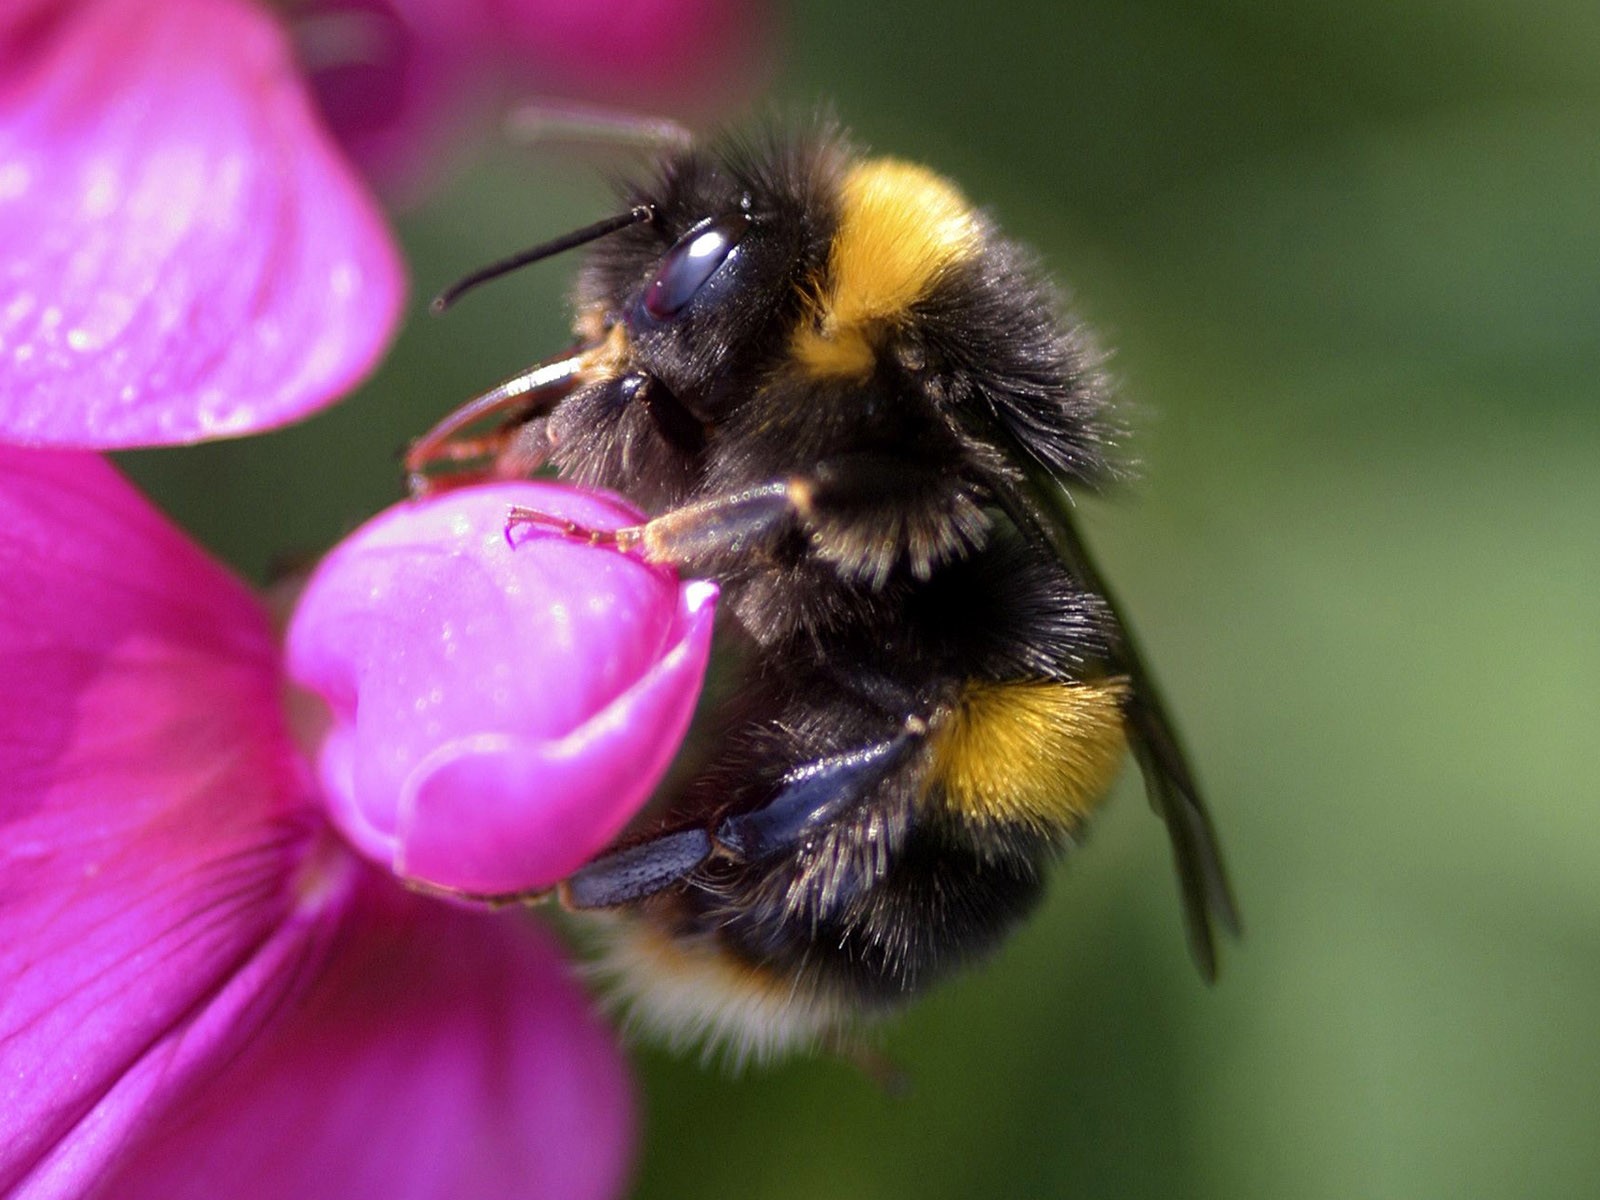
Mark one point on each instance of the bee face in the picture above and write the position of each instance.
(704, 291)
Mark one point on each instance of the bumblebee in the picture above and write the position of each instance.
(847, 397)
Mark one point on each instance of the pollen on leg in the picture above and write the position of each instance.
(802, 496)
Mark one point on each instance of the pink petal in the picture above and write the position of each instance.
(499, 714)
(153, 821)
(645, 52)
(397, 80)
(444, 1055)
(182, 253)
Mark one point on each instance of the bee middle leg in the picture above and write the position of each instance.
(685, 534)
(855, 508)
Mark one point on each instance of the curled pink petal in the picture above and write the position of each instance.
(443, 1055)
(499, 712)
(158, 890)
(182, 253)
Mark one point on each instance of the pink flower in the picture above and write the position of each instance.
(203, 991)
(186, 254)
(183, 253)
(210, 983)
(642, 52)
(500, 713)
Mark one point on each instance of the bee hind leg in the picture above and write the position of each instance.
(637, 871)
(817, 794)
(811, 797)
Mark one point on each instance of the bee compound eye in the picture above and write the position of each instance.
(695, 258)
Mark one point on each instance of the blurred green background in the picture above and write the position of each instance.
(1349, 256)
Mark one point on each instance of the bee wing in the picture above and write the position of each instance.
(1042, 509)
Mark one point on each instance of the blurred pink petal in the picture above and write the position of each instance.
(155, 822)
(498, 714)
(645, 52)
(403, 83)
(443, 1056)
(183, 255)
(397, 80)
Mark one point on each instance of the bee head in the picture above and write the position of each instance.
(701, 297)
(786, 291)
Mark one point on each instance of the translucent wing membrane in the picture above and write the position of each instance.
(1042, 508)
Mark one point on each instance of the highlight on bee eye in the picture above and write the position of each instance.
(687, 267)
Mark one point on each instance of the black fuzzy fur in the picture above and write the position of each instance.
(895, 584)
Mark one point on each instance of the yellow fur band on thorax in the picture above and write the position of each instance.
(900, 226)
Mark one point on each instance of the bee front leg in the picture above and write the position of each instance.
(452, 455)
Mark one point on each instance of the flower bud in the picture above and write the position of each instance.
(499, 706)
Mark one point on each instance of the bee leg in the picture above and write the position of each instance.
(888, 1076)
(504, 410)
(635, 872)
(468, 460)
(518, 515)
(852, 508)
(685, 534)
(593, 125)
(817, 794)
(811, 797)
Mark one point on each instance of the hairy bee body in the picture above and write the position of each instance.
(844, 395)
(945, 848)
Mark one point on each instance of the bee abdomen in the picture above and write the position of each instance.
(757, 980)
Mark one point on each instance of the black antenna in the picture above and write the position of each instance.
(635, 215)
